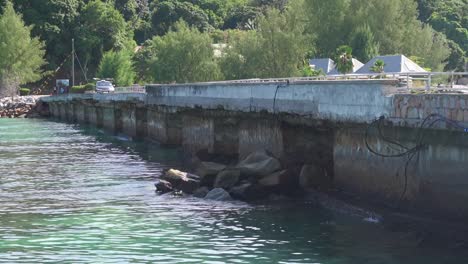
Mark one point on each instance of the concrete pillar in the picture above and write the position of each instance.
(108, 118)
(174, 127)
(71, 116)
(141, 114)
(260, 134)
(91, 115)
(62, 111)
(226, 135)
(435, 180)
(156, 125)
(54, 110)
(197, 134)
(80, 114)
(128, 117)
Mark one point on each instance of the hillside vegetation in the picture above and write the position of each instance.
(264, 38)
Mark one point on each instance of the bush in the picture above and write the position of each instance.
(24, 91)
(78, 89)
(89, 87)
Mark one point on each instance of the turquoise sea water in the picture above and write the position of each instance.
(75, 195)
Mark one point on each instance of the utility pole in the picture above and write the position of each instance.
(73, 63)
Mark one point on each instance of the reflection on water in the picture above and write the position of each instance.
(71, 195)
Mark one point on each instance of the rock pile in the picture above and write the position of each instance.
(255, 177)
(19, 106)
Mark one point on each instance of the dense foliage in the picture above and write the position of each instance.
(264, 38)
(20, 55)
(118, 66)
(182, 55)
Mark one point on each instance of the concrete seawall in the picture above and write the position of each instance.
(328, 125)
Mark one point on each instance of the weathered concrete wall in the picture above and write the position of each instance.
(436, 178)
(321, 124)
(356, 101)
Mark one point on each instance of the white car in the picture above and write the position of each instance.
(104, 87)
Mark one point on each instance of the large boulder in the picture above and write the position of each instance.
(189, 185)
(313, 176)
(174, 176)
(163, 186)
(227, 179)
(207, 168)
(208, 171)
(274, 179)
(183, 181)
(259, 164)
(248, 191)
(285, 181)
(201, 192)
(218, 194)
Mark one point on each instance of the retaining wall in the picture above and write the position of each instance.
(321, 124)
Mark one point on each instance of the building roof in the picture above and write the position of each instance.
(356, 66)
(393, 64)
(325, 64)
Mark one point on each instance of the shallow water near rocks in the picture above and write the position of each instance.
(77, 195)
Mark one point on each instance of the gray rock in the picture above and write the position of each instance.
(201, 192)
(183, 181)
(259, 164)
(313, 176)
(274, 179)
(227, 179)
(173, 175)
(188, 185)
(218, 194)
(209, 169)
(163, 186)
(249, 192)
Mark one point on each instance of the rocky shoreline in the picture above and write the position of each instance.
(258, 176)
(21, 107)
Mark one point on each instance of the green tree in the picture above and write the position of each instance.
(276, 49)
(142, 61)
(183, 55)
(450, 18)
(128, 9)
(102, 29)
(363, 44)
(344, 59)
(396, 28)
(117, 65)
(325, 19)
(243, 58)
(21, 56)
(54, 23)
(167, 13)
(378, 66)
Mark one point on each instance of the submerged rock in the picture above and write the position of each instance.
(313, 176)
(249, 192)
(163, 186)
(259, 164)
(201, 192)
(189, 185)
(218, 194)
(227, 179)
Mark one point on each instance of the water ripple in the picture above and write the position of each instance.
(73, 195)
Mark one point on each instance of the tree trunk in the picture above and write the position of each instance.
(8, 87)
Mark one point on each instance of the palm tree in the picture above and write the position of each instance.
(378, 66)
(344, 59)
